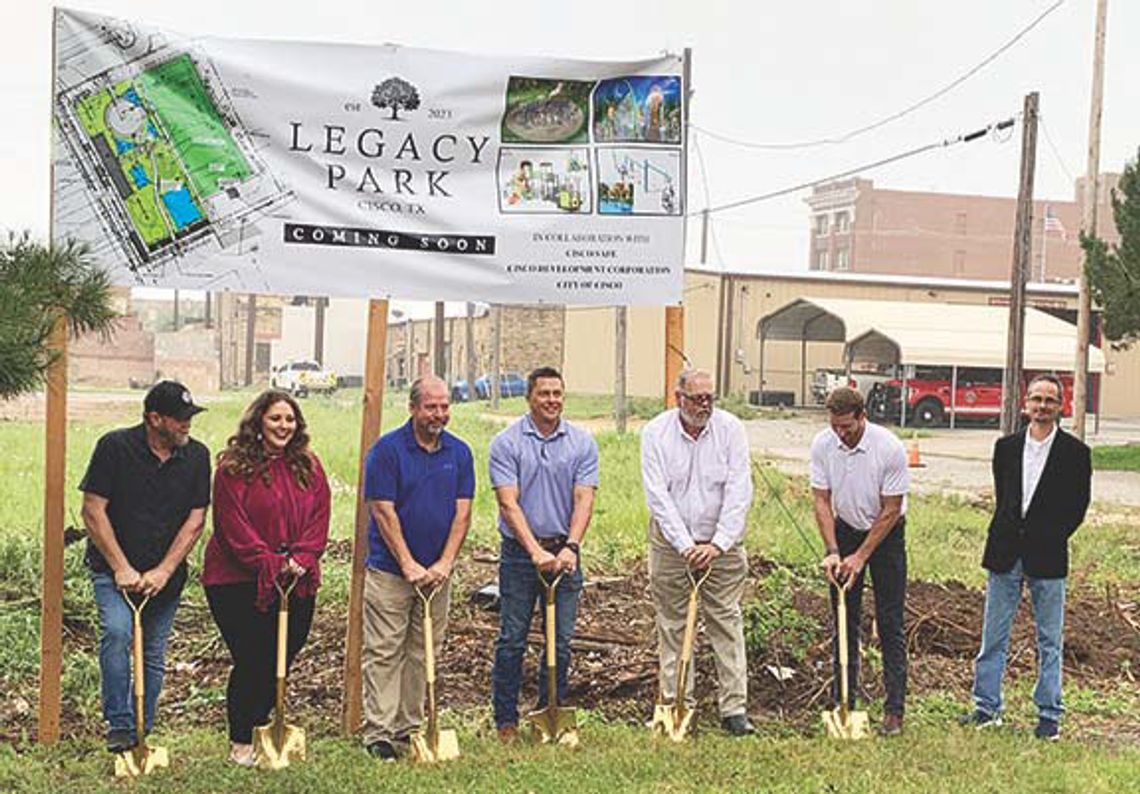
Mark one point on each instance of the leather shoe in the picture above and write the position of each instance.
(892, 725)
(508, 734)
(737, 725)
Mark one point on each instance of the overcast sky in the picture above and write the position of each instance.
(763, 72)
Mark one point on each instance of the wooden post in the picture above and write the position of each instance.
(1088, 226)
(1019, 273)
(620, 324)
(375, 358)
(675, 315)
(674, 350)
(496, 356)
(51, 601)
(250, 336)
(438, 364)
(469, 364)
(319, 331)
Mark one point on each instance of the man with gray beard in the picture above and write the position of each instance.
(695, 468)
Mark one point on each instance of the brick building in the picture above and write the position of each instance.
(858, 228)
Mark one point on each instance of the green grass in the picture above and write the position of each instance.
(945, 539)
(623, 758)
(1122, 457)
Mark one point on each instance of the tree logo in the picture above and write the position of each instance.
(396, 94)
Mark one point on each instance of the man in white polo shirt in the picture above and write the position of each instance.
(698, 485)
(859, 482)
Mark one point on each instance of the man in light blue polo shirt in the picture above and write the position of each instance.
(418, 482)
(544, 472)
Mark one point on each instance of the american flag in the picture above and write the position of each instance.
(1052, 222)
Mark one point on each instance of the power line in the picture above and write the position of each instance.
(1053, 148)
(964, 138)
(894, 116)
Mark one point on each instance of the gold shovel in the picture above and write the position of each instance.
(139, 760)
(841, 722)
(276, 745)
(673, 719)
(434, 745)
(553, 724)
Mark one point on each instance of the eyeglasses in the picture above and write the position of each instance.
(705, 400)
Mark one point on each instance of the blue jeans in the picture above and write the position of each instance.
(519, 591)
(116, 628)
(1003, 596)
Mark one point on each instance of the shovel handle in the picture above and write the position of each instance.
(426, 596)
(841, 630)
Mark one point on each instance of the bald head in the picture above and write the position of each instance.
(428, 384)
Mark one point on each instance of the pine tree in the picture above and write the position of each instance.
(38, 285)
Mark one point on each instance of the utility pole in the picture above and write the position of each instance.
(438, 364)
(250, 331)
(496, 348)
(469, 364)
(1088, 225)
(620, 324)
(1019, 273)
(177, 318)
(319, 331)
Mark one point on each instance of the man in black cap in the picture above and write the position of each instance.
(145, 495)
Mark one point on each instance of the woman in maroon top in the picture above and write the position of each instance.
(271, 524)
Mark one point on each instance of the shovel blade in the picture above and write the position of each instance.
(269, 755)
(446, 748)
(140, 761)
(672, 720)
(555, 725)
(852, 725)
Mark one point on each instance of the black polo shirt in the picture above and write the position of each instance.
(148, 500)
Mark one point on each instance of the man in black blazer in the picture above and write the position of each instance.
(1041, 486)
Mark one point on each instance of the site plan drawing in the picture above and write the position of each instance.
(151, 147)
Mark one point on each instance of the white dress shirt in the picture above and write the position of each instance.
(858, 478)
(698, 490)
(1033, 457)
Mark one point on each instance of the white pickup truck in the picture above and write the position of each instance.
(301, 378)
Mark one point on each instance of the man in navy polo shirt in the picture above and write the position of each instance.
(544, 472)
(419, 481)
(145, 495)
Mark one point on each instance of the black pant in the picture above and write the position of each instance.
(251, 637)
(888, 572)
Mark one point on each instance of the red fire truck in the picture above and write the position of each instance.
(978, 396)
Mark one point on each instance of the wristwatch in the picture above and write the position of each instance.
(574, 547)
(833, 550)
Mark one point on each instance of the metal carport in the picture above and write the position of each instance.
(903, 333)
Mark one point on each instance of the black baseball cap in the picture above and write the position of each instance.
(171, 398)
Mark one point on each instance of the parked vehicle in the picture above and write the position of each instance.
(511, 384)
(824, 380)
(300, 378)
(978, 396)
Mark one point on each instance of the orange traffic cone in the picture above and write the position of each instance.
(913, 459)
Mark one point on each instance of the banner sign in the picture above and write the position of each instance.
(316, 169)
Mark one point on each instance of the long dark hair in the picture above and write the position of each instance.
(245, 456)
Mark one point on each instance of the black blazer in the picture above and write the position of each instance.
(1041, 538)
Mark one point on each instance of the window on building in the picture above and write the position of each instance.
(843, 259)
(821, 260)
(842, 221)
(959, 262)
(960, 223)
(820, 225)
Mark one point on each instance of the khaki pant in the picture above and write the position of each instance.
(395, 680)
(724, 624)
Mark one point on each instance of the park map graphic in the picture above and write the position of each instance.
(154, 163)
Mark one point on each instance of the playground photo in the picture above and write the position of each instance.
(638, 110)
(544, 181)
(541, 110)
(639, 181)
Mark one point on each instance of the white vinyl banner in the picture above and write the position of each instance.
(317, 169)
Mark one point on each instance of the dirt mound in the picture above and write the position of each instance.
(615, 657)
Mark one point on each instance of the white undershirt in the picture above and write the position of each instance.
(1033, 458)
